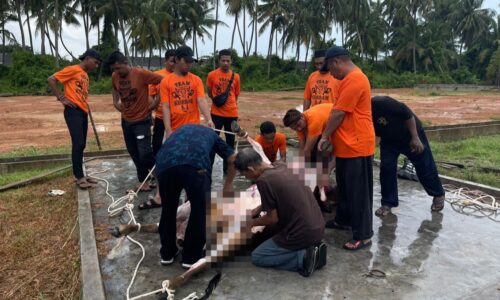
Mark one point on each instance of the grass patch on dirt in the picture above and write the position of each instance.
(478, 154)
(39, 245)
(11, 177)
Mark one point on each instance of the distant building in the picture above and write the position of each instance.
(6, 59)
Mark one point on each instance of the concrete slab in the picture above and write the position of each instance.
(424, 255)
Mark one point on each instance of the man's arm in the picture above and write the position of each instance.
(154, 101)
(52, 82)
(231, 174)
(283, 155)
(416, 145)
(270, 218)
(166, 119)
(202, 103)
(307, 104)
(309, 145)
(116, 100)
(336, 118)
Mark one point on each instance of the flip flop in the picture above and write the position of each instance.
(437, 204)
(84, 184)
(383, 211)
(148, 205)
(357, 245)
(91, 180)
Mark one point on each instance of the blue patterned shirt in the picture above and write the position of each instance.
(191, 145)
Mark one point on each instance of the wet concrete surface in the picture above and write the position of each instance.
(423, 255)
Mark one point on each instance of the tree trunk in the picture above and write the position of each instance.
(122, 28)
(342, 32)
(29, 29)
(256, 24)
(241, 39)
(56, 32)
(276, 44)
(3, 42)
(215, 35)
(98, 31)
(51, 45)
(42, 27)
(414, 50)
(86, 25)
(244, 32)
(282, 46)
(307, 54)
(234, 31)
(62, 42)
(19, 20)
(249, 46)
(360, 43)
(270, 52)
(149, 58)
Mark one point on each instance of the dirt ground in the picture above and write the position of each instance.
(37, 121)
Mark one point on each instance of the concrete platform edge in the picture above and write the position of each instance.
(92, 285)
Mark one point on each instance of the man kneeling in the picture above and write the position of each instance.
(289, 205)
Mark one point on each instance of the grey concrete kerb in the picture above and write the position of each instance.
(92, 286)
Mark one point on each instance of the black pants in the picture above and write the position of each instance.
(197, 185)
(77, 122)
(138, 141)
(225, 122)
(424, 166)
(158, 132)
(355, 191)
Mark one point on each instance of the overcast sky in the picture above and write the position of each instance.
(74, 37)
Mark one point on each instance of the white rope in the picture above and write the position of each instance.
(472, 202)
(114, 210)
(223, 131)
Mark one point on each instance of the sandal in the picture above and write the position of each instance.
(334, 225)
(149, 204)
(83, 183)
(437, 203)
(383, 211)
(356, 245)
(91, 180)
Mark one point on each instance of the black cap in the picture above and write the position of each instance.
(91, 53)
(186, 53)
(319, 53)
(331, 53)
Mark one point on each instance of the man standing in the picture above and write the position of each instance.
(350, 129)
(309, 126)
(223, 87)
(272, 141)
(154, 92)
(321, 87)
(182, 94)
(183, 162)
(401, 132)
(75, 97)
(290, 206)
(130, 97)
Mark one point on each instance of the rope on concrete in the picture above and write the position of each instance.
(472, 202)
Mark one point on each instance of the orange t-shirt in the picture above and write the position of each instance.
(133, 90)
(182, 93)
(154, 89)
(355, 136)
(316, 118)
(217, 82)
(321, 88)
(270, 150)
(76, 85)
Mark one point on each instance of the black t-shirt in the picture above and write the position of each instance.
(389, 118)
(301, 223)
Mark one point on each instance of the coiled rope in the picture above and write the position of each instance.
(472, 202)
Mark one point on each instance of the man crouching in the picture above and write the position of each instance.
(289, 205)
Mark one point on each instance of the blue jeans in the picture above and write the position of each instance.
(424, 166)
(269, 254)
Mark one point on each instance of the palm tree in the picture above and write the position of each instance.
(6, 16)
(19, 4)
(472, 21)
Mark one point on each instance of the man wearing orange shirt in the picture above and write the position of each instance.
(321, 87)
(154, 92)
(183, 95)
(76, 88)
(351, 132)
(309, 126)
(272, 141)
(224, 108)
(131, 98)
